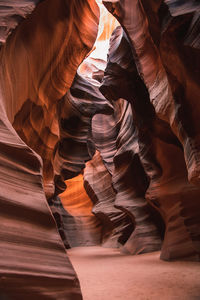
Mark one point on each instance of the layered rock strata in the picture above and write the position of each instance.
(118, 147)
(80, 224)
(75, 145)
(33, 261)
(161, 131)
(117, 226)
(38, 64)
(74, 148)
(146, 142)
(12, 13)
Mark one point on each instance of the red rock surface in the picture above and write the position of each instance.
(33, 261)
(126, 117)
(38, 64)
(168, 138)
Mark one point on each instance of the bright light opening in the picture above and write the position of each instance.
(97, 58)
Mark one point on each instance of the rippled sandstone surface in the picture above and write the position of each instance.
(99, 136)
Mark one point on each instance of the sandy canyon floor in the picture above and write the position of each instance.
(106, 274)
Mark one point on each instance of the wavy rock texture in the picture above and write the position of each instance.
(12, 13)
(76, 111)
(33, 262)
(116, 225)
(179, 43)
(157, 70)
(130, 183)
(80, 225)
(138, 142)
(160, 151)
(118, 146)
(192, 32)
(118, 149)
(74, 148)
(38, 65)
(76, 145)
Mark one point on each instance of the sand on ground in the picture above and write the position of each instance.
(106, 274)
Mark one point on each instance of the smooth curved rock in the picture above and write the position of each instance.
(74, 148)
(80, 225)
(145, 130)
(38, 65)
(12, 13)
(159, 149)
(33, 260)
(128, 177)
(154, 69)
(117, 226)
(75, 145)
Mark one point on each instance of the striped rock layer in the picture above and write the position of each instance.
(134, 129)
(118, 147)
(166, 117)
(33, 260)
(117, 226)
(81, 225)
(38, 64)
(12, 13)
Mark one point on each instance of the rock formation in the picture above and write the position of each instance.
(81, 226)
(167, 135)
(33, 260)
(101, 149)
(117, 226)
(38, 63)
(12, 13)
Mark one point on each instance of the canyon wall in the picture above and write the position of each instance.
(101, 149)
(38, 64)
(163, 94)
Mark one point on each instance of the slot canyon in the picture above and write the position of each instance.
(100, 150)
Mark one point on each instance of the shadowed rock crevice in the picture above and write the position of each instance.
(38, 64)
(99, 136)
(173, 117)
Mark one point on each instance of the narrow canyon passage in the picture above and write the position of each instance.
(105, 273)
(100, 150)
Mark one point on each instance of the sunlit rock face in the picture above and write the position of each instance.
(118, 147)
(33, 261)
(168, 136)
(117, 226)
(80, 224)
(94, 65)
(38, 64)
(128, 123)
(74, 148)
